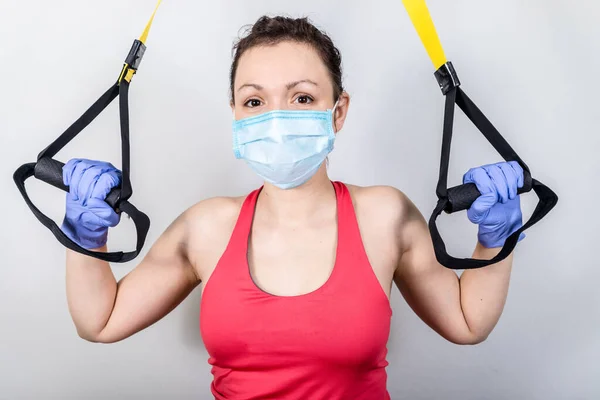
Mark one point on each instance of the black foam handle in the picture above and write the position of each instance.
(462, 197)
(50, 171)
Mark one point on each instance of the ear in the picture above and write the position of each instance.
(341, 111)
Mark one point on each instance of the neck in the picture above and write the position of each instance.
(303, 203)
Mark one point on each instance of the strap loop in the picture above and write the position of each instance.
(468, 193)
(50, 170)
(461, 197)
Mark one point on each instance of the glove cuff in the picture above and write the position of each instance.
(86, 238)
(496, 239)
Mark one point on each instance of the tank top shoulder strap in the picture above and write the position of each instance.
(230, 273)
(347, 223)
(234, 256)
(244, 223)
(358, 273)
(351, 244)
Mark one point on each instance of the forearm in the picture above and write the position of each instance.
(91, 293)
(483, 292)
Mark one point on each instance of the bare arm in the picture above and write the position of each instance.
(465, 310)
(106, 311)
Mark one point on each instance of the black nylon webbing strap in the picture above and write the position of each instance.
(547, 198)
(126, 190)
(442, 185)
(141, 220)
(81, 123)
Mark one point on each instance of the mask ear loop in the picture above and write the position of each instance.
(333, 110)
(333, 123)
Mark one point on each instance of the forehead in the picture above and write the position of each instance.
(280, 64)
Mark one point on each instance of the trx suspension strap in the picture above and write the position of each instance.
(49, 170)
(461, 197)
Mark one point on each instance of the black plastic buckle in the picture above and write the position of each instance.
(134, 58)
(447, 77)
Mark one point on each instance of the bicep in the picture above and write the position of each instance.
(155, 287)
(430, 289)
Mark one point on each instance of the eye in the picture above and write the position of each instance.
(304, 99)
(253, 103)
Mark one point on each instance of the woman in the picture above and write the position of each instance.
(297, 275)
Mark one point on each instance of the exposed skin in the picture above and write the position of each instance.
(294, 234)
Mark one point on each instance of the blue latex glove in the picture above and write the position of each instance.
(498, 210)
(88, 216)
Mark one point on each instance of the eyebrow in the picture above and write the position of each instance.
(296, 83)
(289, 86)
(253, 85)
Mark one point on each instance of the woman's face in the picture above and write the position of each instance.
(286, 76)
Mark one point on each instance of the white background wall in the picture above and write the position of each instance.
(531, 66)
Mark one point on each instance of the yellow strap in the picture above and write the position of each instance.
(419, 14)
(144, 36)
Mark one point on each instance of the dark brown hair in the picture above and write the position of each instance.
(269, 31)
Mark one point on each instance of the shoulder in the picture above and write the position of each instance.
(208, 226)
(214, 209)
(212, 217)
(382, 213)
(386, 212)
(381, 201)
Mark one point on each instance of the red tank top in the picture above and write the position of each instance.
(330, 344)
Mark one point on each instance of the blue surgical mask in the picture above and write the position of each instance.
(285, 147)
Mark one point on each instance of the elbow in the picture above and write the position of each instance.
(94, 337)
(468, 339)
(473, 340)
(88, 336)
